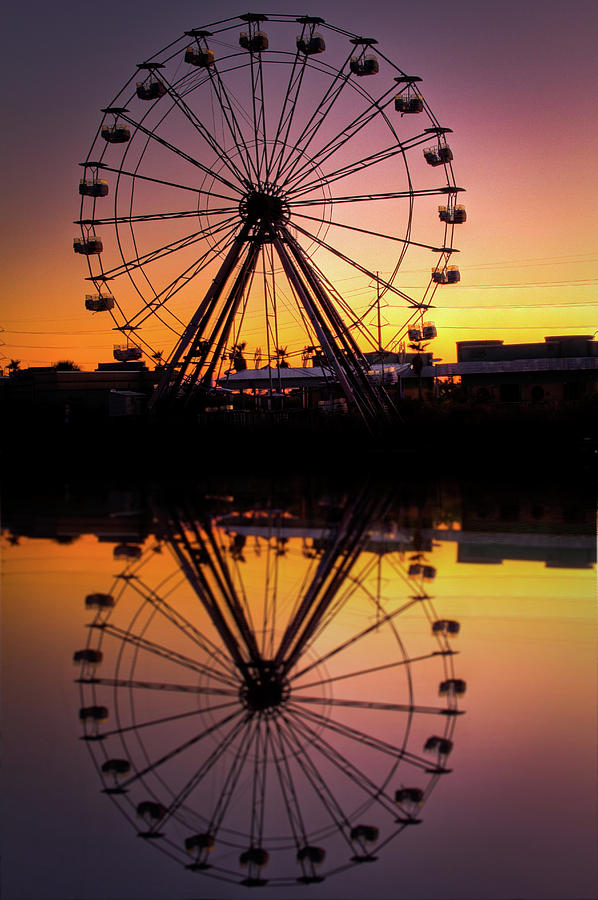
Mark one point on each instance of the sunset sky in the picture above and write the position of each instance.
(514, 80)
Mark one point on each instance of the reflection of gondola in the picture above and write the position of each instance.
(262, 723)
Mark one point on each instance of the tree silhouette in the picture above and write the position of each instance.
(236, 357)
(281, 353)
(66, 365)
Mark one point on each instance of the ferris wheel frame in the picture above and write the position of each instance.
(268, 200)
(268, 730)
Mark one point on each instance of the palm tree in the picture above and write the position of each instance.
(236, 357)
(14, 366)
(306, 355)
(281, 362)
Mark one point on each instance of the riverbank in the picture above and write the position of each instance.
(501, 442)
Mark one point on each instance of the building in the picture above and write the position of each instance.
(562, 370)
(67, 395)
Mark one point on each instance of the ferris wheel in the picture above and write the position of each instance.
(259, 712)
(255, 189)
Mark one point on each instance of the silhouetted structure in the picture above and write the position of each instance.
(275, 720)
(561, 370)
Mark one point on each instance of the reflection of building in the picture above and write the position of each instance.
(561, 370)
(514, 526)
(493, 526)
(556, 551)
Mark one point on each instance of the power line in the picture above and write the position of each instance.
(510, 327)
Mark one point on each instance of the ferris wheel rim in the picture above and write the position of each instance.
(149, 595)
(292, 163)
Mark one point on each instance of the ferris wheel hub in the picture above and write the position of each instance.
(265, 689)
(265, 206)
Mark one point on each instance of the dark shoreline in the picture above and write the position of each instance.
(431, 441)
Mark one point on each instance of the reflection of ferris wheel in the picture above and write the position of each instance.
(261, 729)
(248, 189)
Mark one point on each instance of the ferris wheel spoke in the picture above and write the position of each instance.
(345, 359)
(257, 113)
(180, 748)
(374, 401)
(312, 773)
(214, 332)
(337, 607)
(287, 113)
(187, 559)
(358, 674)
(202, 130)
(166, 720)
(166, 249)
(336, 144)
(388, 617)
(232, 779)
(363, 738)
(259, 783)
(194, 556)
(167, 687)
(360, 198)
(292, 159)
(168, 145)
(340, 761)
(387, 237)
(263, 166)
(287, 788)
(222, 576)
(138, 176)
(355, 265)
(185, 627)
(181, 281)
(204, 770)
(157, 649)
(346, 171)
(158, 217)
(353, 320)
(189, 343)
(366, 739)
(227, 102)
(373, 704)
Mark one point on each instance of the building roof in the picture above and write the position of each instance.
(556, 364)
(312, 376)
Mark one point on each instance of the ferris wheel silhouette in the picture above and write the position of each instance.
(258, 710)
(249, 181)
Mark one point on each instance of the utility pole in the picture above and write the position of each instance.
(379, 315)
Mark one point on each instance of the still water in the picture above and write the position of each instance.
(299, 690)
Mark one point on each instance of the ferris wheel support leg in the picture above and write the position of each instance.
(322, 331)
(352, 358)
(372, 402)
(226, 318)
(177, 366)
